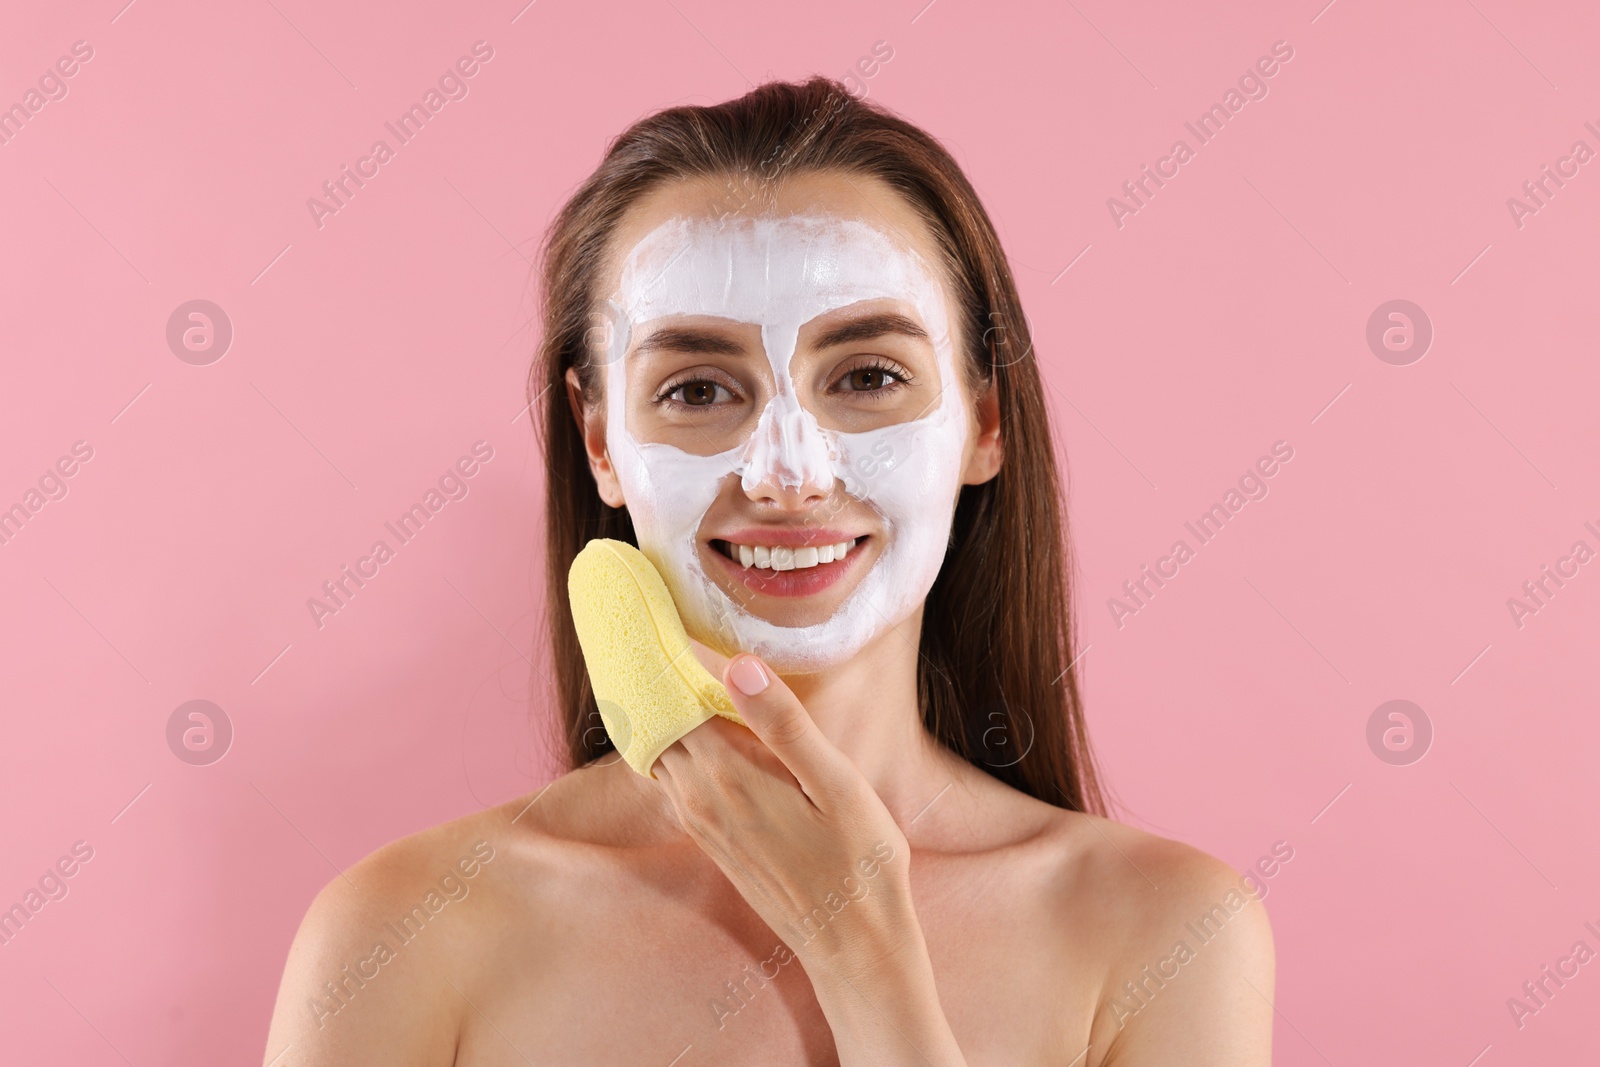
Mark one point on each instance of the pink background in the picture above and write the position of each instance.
(1224, 316)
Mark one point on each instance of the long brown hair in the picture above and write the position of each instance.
(996, 679)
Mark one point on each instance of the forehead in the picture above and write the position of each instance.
(816, 242)
(782, 270)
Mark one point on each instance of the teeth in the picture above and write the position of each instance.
(783, 558)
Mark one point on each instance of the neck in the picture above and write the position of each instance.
(868, 708)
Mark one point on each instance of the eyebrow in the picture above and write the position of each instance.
(689, 339)
(870, 326)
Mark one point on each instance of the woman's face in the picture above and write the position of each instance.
(785, 416)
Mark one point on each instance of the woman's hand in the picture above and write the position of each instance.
(793, 825)
(809, 844)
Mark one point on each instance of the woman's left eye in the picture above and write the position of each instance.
(872, 379)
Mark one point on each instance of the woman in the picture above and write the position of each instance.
(784, 355)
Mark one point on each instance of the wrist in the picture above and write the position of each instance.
(875, 935)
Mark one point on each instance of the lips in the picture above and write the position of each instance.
(787, 563)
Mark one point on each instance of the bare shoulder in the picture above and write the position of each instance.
(369, 975)
(1167, 948)
(1185, 943)
(396, 955)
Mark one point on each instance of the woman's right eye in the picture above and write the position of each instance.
(697, 393)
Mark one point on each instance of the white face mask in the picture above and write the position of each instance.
(782, 272)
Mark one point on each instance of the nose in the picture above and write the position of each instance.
(788, 460)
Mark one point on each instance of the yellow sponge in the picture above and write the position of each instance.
(650, 686)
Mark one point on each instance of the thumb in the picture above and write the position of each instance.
(776, 716)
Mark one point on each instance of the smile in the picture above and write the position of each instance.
(787, 570)
(785, 557)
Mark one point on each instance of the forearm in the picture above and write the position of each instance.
(882, 1005)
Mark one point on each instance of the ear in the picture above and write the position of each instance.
(986, 450)
(590, 416)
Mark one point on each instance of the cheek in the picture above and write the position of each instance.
(668, 491)
(910, 472)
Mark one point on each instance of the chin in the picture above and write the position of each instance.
(792, 650)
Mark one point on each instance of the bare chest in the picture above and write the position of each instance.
(631, 969)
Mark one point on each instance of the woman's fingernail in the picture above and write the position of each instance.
(747, 674)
